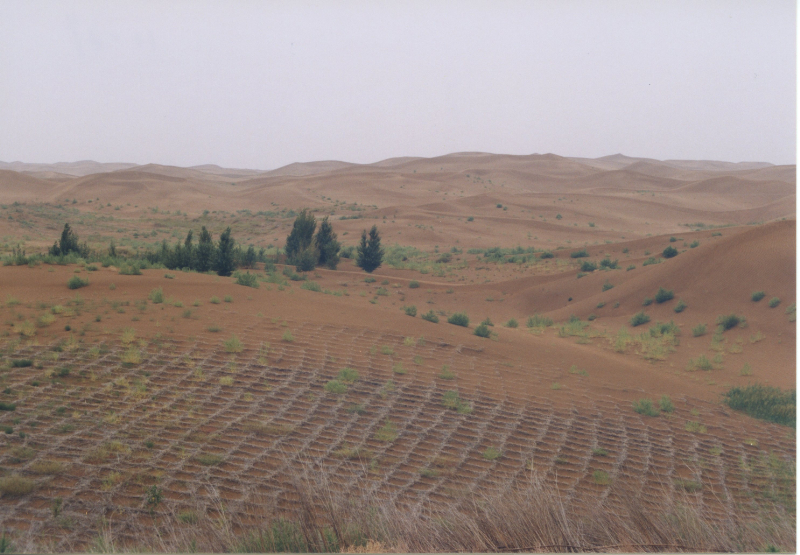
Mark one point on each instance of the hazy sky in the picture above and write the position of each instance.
(263, 84)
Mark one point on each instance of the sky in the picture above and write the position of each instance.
(252, 84)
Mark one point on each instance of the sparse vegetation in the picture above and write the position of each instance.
(764, 402)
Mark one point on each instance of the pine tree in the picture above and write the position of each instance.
(68, 243)
(205, 251)
(301, 236)
(327, 245)
(370, 253)
(249, 258)
(187, 260)
(224, 263)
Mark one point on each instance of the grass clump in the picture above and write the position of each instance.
(701, 363)
(131, 357)
(287, 336)
(665, 404)
(214, 300)
(698, 330)
(386, 433)
(765, 403)
(664, 295)
(76, 282)
(430, 316)
(757, 296)
(348, 375)
(601, 477)
(156, 296)
(410, 310)
(459, 319)
(491, 454)
(209, 460)
(695, 427)
(774, 301)
(446, 373)
(512, 323)
(579, 254)
(451, 400)
(645, 407)
(311, 286)
(15, 486)
(539, 321)
(336, 387)
(639, 318)
(233, 345)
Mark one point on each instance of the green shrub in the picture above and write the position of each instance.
(680, 306)
(446, 373)
(579, 254)
(387, 433)
(76, 283)
(669, 252)
(450, 400)
(607, 286)
(647, 301)
(673, 239)
(430, 316)
(764, 402)
(539, 321)
(482, 330)
(129, 270)
(21, 363)
(227, 299)
(15, 486)
(7, 406)
(336, 387)
(650, 261)
(348, 375)
(546, 254)
(601, 477)
(413, 284)
(156, 296)
(694, 244)
(609, 264)
(410, 310)
(491, 454)
(639, 318)
(247, 279)
(664, 295)
(459, 319)
(729, 321)
(214, 300)
(774, 301)
(311, 286)
(382, 292)
(698, 330)
(757, 296)
(645, 407)
(588, 266)
(233, 345)
(665, 404)
(701, 363)
(369, 279)
(512, 323)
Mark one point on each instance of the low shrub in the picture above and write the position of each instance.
(588, 266)
(459, 319)
(774, 301)
(410, 310)
(729, 321)
(214, 300)
(76, 283)
(680, 306)
(647, 301)
(664, 295)
(129, 270)
(482, 330)
(348, 375)
(546, 254)
(156, 296)
(645, 407)
(247, 279)
(451, 400)
(757, 296)
(233, 345)
(639, 318)
(430, 316)
(512, 323)
(491, 454)
(764, 402)
(694, 244)
(413, 284)
(336, 387)
(669, 252)
(607, 285)
(698, 330)
(650, 261)
(539, 321)
(21, 363)
(665, 404)
(311, 286)
(15, 486)
(579, 254)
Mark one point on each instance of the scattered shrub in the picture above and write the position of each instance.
(669, 252)
(650, 261)
(227, 299)
(665, 404)
(512, 323)
(588, 266)
(698, 330)
(451, 400)
(336, 387)
(729, 321)
(482, 330)
(774, 301)
(76, 283)
(247, 279)
(607, 286)
(539, 321)
(764, 402)
(21, 363)
(214, 300)
(647, 301)
(546, 254)
(233, 345)
(129, 270)
(156, 296)
(694, 244)
(459, 319)
(680, 306)
(757, 296)
(413, 284)
(410, 310)
(601, 477)
(491, 454)
(430, 316)
(15, 486)
(664, 295)
(348, 375)
(311, 286)
(639, 318)
(645, 407)
(579, 254)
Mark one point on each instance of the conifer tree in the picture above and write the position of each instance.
(370, 253)
(205, 251)
(224, 261)
(327, 245)
(301, 236)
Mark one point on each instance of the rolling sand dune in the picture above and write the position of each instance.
(215, 393)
